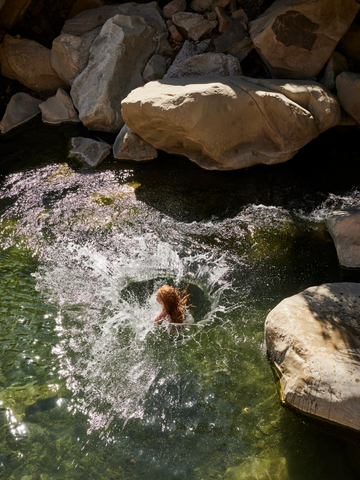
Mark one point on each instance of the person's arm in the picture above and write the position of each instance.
(159, 319)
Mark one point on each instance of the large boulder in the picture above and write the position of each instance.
(21, 108)
(226, 123)
(344, 228)
(12, 11)
(28, 62)
(71, 49)
(313, 340)
(118, 57)
(348, 91)
(296, 38)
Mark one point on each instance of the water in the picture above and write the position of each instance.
(89, 386)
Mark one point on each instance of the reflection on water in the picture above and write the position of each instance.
(89, 386)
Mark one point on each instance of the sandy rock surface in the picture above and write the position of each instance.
(227, 123)
(313, 340)
(296, 38)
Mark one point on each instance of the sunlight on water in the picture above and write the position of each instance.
(119, 343)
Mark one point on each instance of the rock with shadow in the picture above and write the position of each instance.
(313, 341)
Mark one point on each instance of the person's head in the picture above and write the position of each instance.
(173, 301)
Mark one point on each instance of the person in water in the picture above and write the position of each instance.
(174, 304)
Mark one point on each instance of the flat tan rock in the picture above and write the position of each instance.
(226, 123)
(344, 228)
(28, 62)
(313, 340)
(348, 91)
(295, 38)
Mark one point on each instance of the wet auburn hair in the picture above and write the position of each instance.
(174, 302)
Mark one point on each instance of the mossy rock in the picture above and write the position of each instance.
(259, 469)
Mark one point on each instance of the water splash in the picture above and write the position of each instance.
(111, 351)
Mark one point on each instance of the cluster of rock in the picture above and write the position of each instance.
(175, 77)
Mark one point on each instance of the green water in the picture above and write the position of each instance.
(89, 387)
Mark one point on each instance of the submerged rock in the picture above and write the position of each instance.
(348, 91)
(21, 108)
(267, 468)
(88, 150)
(344, 228)
(118, 58)
(129, 146)
(226, 123)
(313, 340)
(296, 38)
(59, 109)
(28, 62)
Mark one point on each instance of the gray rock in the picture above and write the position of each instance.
(295, 38)
(344, 228)
(175, 6)
(189, 50)
(12, 11)
(235, 40)
(88, 150)
(193, 25)
(59, 109)
(155, 68)
(70, 54)
(313, 340)
(348, 91)
(28, 62)
(129, 146)
(336, 64)
(118, 57)
(21, 108)
(206, 64)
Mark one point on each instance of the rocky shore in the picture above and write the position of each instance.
(228, 84)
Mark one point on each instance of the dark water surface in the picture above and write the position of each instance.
(89, 387)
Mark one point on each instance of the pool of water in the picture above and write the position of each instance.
(89, 387)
